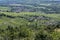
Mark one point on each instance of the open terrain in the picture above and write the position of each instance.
(29, 20)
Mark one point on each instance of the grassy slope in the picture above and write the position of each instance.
(4, 8)
(56, 16)
(16, 22)
(4, 21)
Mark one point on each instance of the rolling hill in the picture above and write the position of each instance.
(27, 1)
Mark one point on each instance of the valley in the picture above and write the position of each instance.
(28, 20)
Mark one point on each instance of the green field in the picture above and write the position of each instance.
(4, 8)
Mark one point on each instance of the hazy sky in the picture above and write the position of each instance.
(28, 0)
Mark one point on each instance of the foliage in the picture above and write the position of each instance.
(29, 26)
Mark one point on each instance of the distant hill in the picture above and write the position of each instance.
(27, 1)
(46, 6)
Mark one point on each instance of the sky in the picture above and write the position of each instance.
(13, 0)
(28, 0)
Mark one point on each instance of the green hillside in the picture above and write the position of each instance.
(29, 20)
(29, 26)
